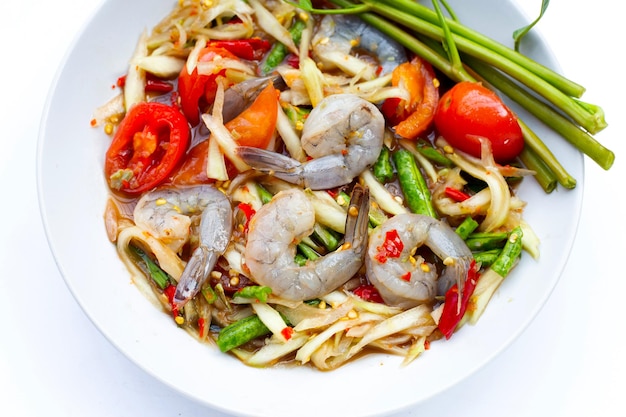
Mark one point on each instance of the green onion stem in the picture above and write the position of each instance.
(557, 122)
(422, 12)
(584, 115)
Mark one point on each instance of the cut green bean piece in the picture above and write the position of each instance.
(486, 258)
(277, 54)
(510, 253)
(413, 184)
(486, 241)
(467, 226)
(383, 169)
(241, 332)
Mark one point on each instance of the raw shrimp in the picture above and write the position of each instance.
(279, 225)
(339, 38)
(405, 279)
(166, 214)
(344, 136)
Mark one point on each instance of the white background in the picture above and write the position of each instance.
(54, 362)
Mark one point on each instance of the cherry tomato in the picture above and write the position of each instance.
(413, 117)
(468, 111)
(197, 91)
(255, 126)
(149, 142)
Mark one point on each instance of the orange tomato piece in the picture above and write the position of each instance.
(413, 117)
(255, 126)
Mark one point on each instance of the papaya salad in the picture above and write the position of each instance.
(305, 184)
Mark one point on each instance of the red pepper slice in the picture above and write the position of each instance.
(149, 142)
(250, 49)
(169, 292)
(197, 91)
(391, 248)
(156, 85)
(153, 84)
(287, 332)
(368, 293)
(453, 311)
(456, 195)
(248, 211)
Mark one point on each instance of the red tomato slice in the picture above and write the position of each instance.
(147, 145)
(197, 91)
(255, 126)
(413, 117)
(193, 169)
(468, 111)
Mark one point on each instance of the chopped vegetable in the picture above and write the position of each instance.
(240, 332)
(413, 185)
(148, 144)
(468, 111)
(455, 306)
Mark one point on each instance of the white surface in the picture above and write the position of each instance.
(54, 362)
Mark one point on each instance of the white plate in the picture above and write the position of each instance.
(72, 197)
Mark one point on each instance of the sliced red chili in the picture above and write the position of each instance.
(287, 332)
(248, 211)
(169, 292)
(250, 49)
(368, 293)
(456, 195)
(453, 310)
(391, 248)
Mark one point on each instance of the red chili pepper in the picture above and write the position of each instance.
(248, 211)
(287, 332)
(153, 84)
(250, 49)
(293, 60)
(391, 248)
(169, 292)
(368, 293)
(406, 277)
(157, 85)
(453, 311)
(201, 327)
(456, 195)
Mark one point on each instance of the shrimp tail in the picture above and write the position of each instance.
(195, 274)
(237, 97)
(356, 223)
(278, 165)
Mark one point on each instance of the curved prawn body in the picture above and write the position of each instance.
(276, 229)
(344, 136)
(166, 214)
(405, 279)
(340, 36)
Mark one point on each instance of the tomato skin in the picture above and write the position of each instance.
(413, 117)
(255, 126)
(197, 91)
(149, 142)
(193, 169)
(468, 111)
